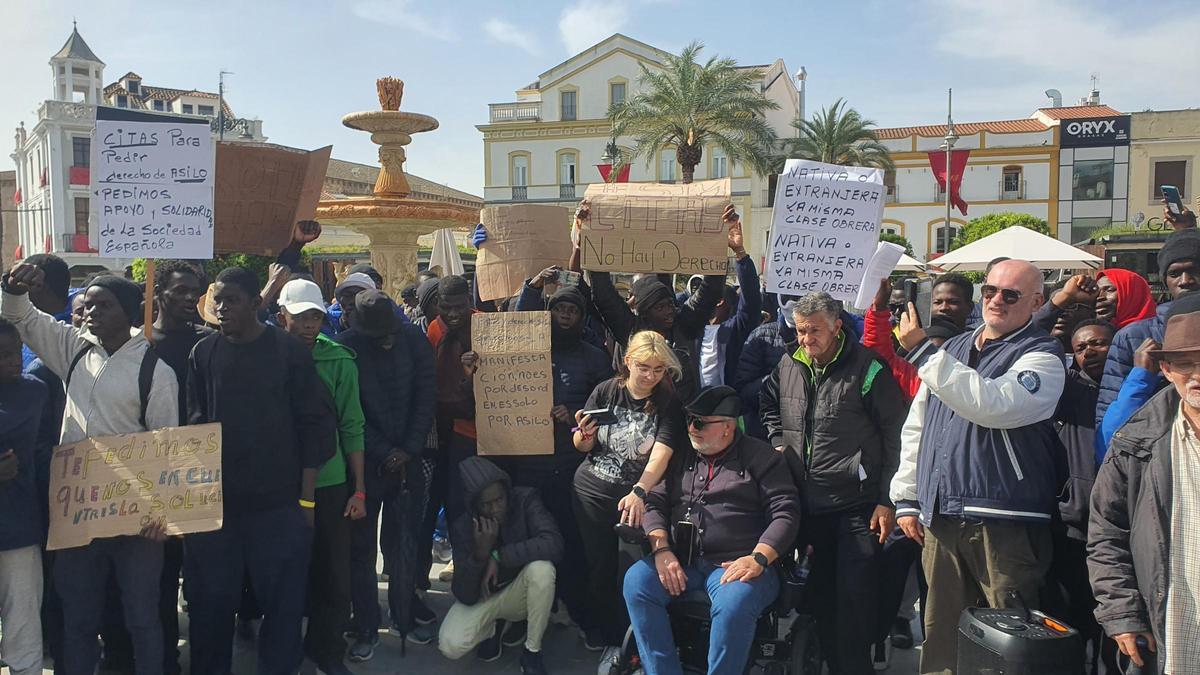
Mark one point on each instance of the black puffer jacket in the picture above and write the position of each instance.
(1075, 420)
(1130, 525)
(528, 532)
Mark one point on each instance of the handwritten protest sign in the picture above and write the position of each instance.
(824, 228)
(262, 190)
(648, 227)
(523, 239)
(513, 386)
(152, 182)
(114, 485)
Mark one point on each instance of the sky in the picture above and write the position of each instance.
(300, 65)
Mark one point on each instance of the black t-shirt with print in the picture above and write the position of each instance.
(621, 451)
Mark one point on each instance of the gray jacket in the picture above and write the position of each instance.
(1130, 523)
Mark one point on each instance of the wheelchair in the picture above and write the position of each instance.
(779, 647)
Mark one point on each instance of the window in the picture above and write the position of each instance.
(134, 86)
(1010, 187)
(206, 110)
(566, 169)
(81, 151)
(666, 166)
(616, 93)
(939, 238)
(939, 191)
(520, 170)
(187, 108)
(1083, 228)
(122, 101)
(567, 105)
(1092, 179)
(889, 186)
(81, 215)
(889, 228)
(158, 104)
(720, 163)
(1170, 172)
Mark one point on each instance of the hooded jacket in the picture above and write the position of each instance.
(528, 532)
(397, 393)
(21, 500)
(1130, 524)
(1076, 431)
(1120, 359)
(336, 368)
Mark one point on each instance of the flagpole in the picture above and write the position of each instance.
(951, 137)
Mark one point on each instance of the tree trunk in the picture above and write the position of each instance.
(688, 173)
(688, 157)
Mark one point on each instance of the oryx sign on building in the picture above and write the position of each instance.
(1096, 132)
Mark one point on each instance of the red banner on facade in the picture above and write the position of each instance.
(958, 164)
(606, 171)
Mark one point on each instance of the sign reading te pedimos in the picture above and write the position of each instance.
(824, 228)
(115, 485)
(514, 384)
(648, 227)
(152, 182)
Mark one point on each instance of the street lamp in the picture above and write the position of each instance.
(948, 144)
(801, 78)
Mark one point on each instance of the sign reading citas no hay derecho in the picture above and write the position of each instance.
(115, 485)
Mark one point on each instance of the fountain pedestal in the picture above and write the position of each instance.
(391, 219)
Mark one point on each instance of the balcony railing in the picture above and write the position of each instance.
(76, 243)
(1017, 194)
(892, 194)
(515, 112)
(566, 192)
(520, 193)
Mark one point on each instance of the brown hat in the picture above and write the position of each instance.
(1182, 335)
(206, 307)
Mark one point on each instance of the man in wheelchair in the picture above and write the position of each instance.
(720, 517)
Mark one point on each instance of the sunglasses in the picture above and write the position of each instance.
(1008, 295)
(699, 424)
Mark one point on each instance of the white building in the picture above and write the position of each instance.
(53, 158)
(545, 146)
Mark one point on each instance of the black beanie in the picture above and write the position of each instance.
(648, 291)
(569, 294)
(427, 296)
(128, 294)
(1181, 245)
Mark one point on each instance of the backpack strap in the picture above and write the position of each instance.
(74, 362)
(146, 381)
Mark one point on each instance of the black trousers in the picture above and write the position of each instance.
(437, 499)
(844, 584)
(896, 559)
(1068, 596)
(329, 577)
(608, 558)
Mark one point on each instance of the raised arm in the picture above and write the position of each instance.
(56, 343)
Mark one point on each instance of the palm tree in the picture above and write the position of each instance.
(837, 135)
(687, 106)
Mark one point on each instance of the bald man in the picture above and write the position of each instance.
(978, 491)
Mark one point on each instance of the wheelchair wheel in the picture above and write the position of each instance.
(806, 658)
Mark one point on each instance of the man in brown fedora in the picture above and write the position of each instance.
(1144, 531)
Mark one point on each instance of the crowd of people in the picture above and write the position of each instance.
(1037, 445)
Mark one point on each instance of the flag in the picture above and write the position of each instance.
(17, 197)
(958, 164)
(606, 171)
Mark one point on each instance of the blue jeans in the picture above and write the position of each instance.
(736, 607)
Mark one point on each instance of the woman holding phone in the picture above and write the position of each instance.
(628, 447)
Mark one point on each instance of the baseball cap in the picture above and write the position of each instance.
(299, 296)
(356, 280)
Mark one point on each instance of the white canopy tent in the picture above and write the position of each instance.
(908, 263)
(1018, 243)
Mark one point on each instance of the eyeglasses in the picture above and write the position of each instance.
(699, 424)
(1183, 367)
(1008, 295)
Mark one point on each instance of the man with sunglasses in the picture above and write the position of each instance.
(979, 491)
(834, 411)
(717, 521)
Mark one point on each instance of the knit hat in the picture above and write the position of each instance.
(427, 296)
(1181, 245)
(355, 280)
(569, 294)
(127, 293)
(649, 291)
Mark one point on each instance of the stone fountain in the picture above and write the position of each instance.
(391, 219)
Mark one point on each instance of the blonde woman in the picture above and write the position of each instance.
(626, 457)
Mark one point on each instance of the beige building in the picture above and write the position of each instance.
(1164, 150)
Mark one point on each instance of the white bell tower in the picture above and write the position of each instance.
(78, 73)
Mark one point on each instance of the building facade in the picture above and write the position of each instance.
(8, 217)
(53, 158)
(1093, 171)
(1164, 148)
(546, 146)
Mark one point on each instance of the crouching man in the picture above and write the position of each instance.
(505, 547)
(718, 520)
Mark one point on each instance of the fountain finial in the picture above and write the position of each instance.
(391, 90)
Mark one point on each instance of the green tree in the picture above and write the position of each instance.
(687, 105)
(837, 135)
(898, 240)
(259, 264)
(980, 227)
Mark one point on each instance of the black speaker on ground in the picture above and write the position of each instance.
(1016, 641)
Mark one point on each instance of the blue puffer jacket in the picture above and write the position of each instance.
(1120, 361)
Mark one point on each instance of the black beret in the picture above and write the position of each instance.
(718, 401)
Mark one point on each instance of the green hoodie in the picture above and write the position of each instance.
(335, 367)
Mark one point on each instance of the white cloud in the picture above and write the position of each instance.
(401, 14)
(507, 34)
(587, 22)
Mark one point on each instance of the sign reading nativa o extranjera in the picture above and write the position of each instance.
(116, 485)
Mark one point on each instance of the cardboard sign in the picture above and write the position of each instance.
(152, 185)
(824, 229)
(648, 227)
(114, 485)
(262, 191)
(514, 386)
(523, 239)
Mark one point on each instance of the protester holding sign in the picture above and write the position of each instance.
(115, 384)
(279, 428)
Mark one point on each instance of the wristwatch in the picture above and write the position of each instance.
(639, 491)
(761, 560)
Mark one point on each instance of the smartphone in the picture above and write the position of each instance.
(602, 416)
(569, 278)
(1174, 200)
(920, 293)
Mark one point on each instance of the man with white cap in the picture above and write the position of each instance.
(301, 313)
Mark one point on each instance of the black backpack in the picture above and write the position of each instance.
(145, 376)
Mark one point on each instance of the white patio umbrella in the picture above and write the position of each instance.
(1018, 243)
(445, 253)
(908, 263)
